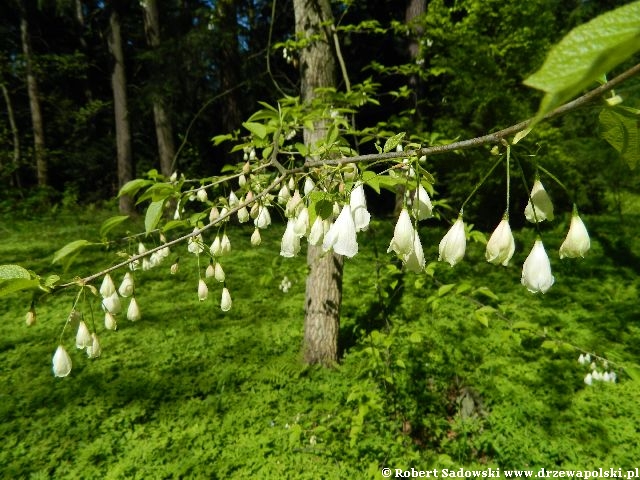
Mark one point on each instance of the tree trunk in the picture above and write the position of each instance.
(15, 178)
(324, 280)
(34, 102)
(123, 132)
(164, 130)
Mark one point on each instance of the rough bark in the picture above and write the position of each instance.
(123, 132)
(34, 103)
(164, 129)
(324, 280)
(15, 178)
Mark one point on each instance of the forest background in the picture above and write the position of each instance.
(443, 70)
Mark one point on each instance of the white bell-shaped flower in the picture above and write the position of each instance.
(224, 214)
(203, 290)
(309, 186)
(243, 215)
(194, 243)
(403, 235)
(301, 224)
(453, 244)
(290, 244)
(422, 207)
(577, 242)
(110, 321)
(214, 214)
(414, 261)
(501, 245)
(218, 272)
(316, 235)
(588, 379)
(210, 271)
(255, 238)
(126, 287)
(94, 350)
(342, 235)
(201, 195)
(284, 195)
(294, 205)
(83, 337)
(133, 312)
(225, 300)
(216, 247)
(541, 202)
(233, 200)
(225, 245)
(108, 287)
(358, 203)
(112, 304)
(536, 271)
(61, 362)
(263, 219)
(30, 318)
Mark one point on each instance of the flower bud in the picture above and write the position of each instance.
(218, 272)
(126, 287)
(225, 245)
(536, 271)
(83, 337)
(107, 288)
(290, 245)
(453, 244)
(214, 214)
(61, 362)
(194, 243)
(255, 238)
(112, 304)
(94, 351)
(358, 203)
(246, 168)
(30, 318)
(284, 195)
(309, 186)
(110, 321)
(402, 241)
(210, 271)
(301, 223)
(133, 312)
(216, 247)
(243, 215)
(316, 235)
(577, 242)
(233, 199)
(201, 195)
(501, 245)
(242, 180)
(263, 220)
(203, 290)
(225, 300)
(422, 207)
(175, 267)
(542, 208)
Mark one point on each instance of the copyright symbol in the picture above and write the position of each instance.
(386, 472)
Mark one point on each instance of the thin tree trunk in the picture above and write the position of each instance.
(164, 130)
(34, 103)
(123, 132)
(15, 178)
(324, 280)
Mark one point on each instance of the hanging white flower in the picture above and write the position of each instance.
(301, 224)
(201, 195)
(309, 186)
(61, 362)
(255, 238)
(402, 241)
(453, 244)
(290, 244)
(501, 245)
(218, 272)
(422, 207)
(216, 247)
(342, 235)
(112, 304)
(94, 350)
(214, 214)
(284, 195)
(126, 287)
(316, 235)
(133, 312)
(536, 271)
(233, 200)
(225, 245)
(294, 205)
(414, 261)
(203, 290)
(83, 337)
(243, 215)
(358, 203)
(225, 300)
(210, 271)
(577, 242)
(30, 318)
(108, 287)
(263, 220)
(110, 321)
(541, 202)
(194, 243)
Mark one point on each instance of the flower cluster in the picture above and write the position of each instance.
(594, 373)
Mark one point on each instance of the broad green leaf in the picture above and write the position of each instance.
(370, 178)
(324, 208)
(586, 53)
(8, 272)
(258, 129)
(415, 337)
(218, 139)
(520, 135)
(485, 292)
(389, 183)
(444, 289)
(393, 142)
(69, 249)
(132, 186)
(16, 284)
(110, 223)
(153, 215)
(620, 129)
(171, 224)
(159, 191)
(51, 280)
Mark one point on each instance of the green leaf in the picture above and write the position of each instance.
(51, 280)
(444, 289)
(620, 128)
(324, 208)
(485, 292)
(393, 142)
(132, 186)
(70, 248)
(153, 215)
(389, 183)
(110, 223)
(415, 337)
(218, 139)
(370, 178)
(9, 272)
(257, 129)
(16, 284)
(586, 53)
